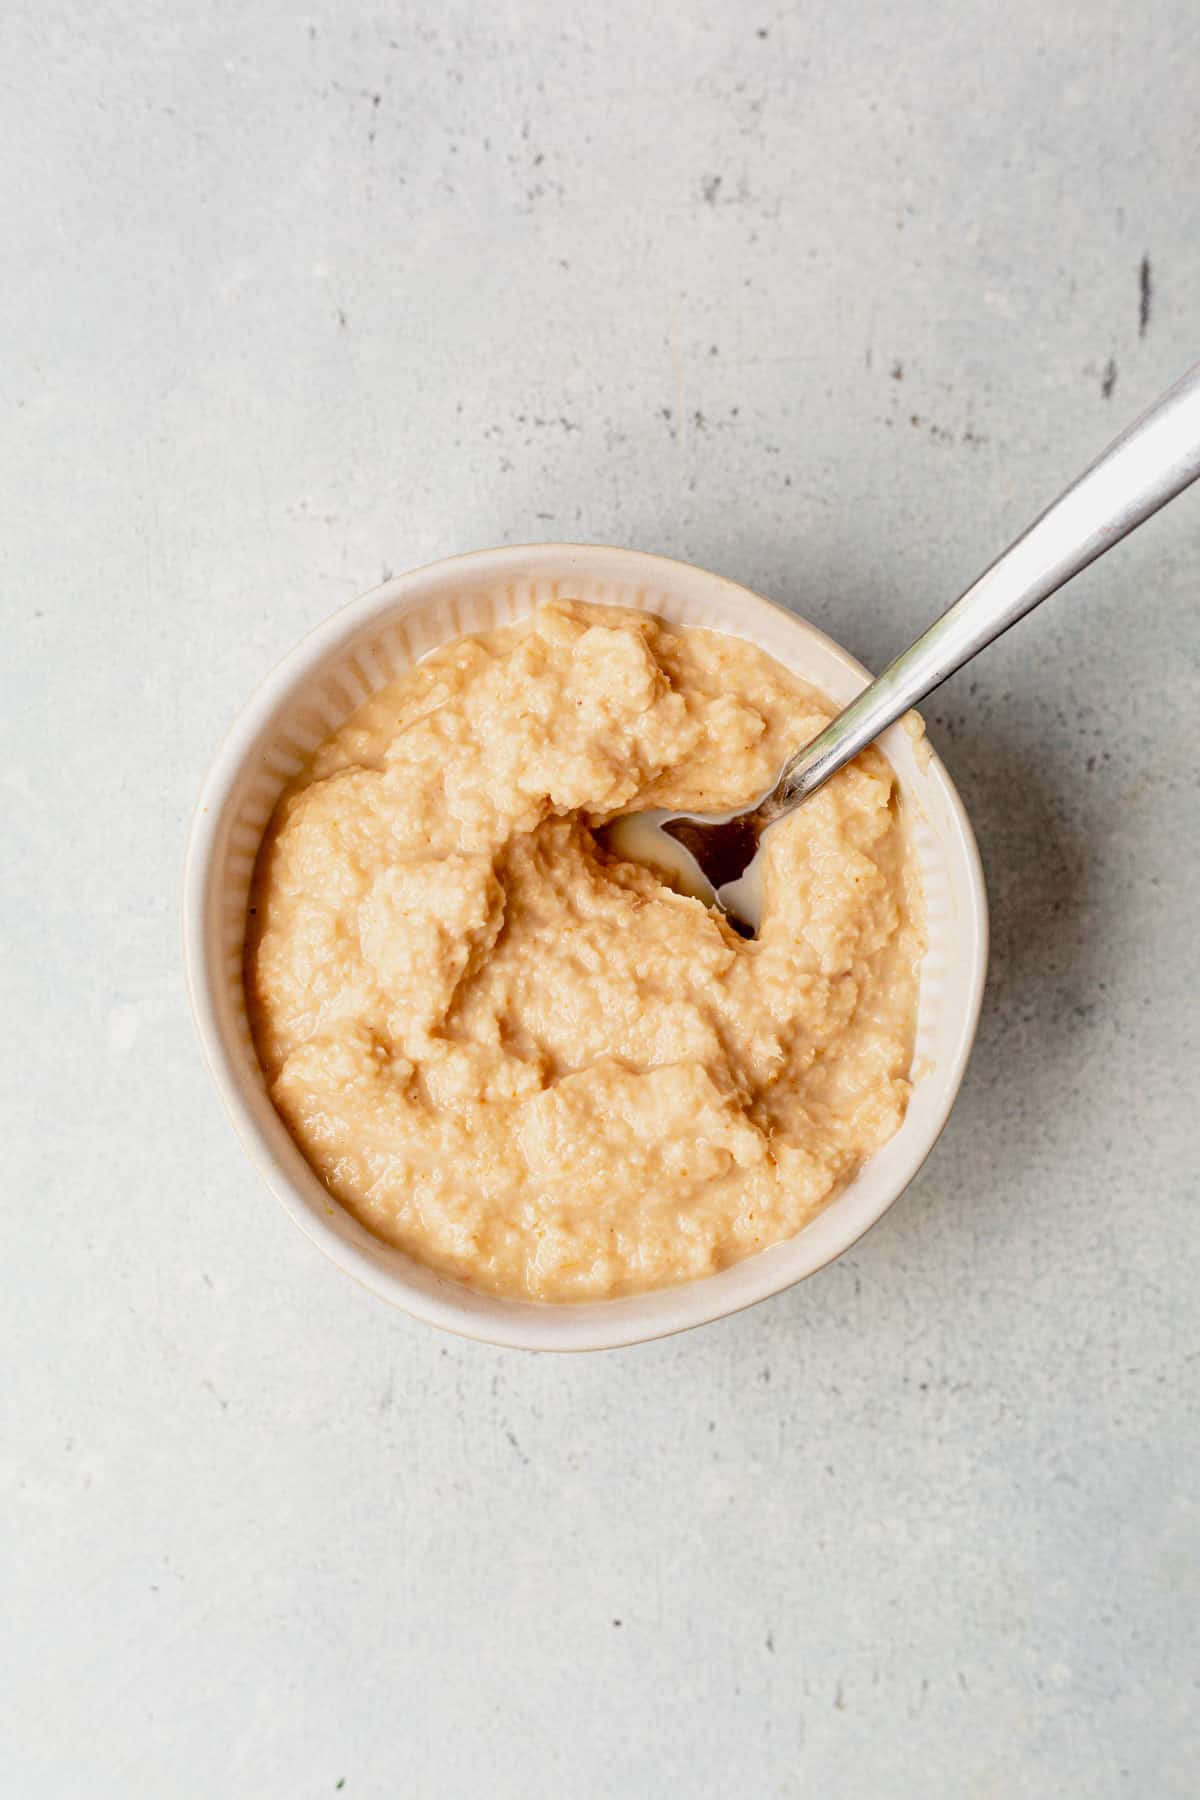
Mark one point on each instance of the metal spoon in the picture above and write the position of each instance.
(1152, 461)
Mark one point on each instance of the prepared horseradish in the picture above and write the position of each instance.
(534, 1066)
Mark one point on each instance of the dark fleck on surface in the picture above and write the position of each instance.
(761, 32)
(771, 1642)
(897, 371)
(1109, 381)
(617, 1623)
(1145, 296)
(711, 188)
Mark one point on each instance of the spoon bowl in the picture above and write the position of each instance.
(1151, 462)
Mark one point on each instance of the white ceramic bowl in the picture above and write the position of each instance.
(323, 680)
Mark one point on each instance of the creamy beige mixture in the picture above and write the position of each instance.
(535, 1066)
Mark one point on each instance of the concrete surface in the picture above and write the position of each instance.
(829, 297)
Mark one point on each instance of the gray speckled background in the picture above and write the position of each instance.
(828, 297)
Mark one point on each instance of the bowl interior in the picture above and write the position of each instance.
(322, 682)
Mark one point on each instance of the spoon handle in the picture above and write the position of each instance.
(1154, 459)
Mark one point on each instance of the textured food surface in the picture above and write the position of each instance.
(537, 1067)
